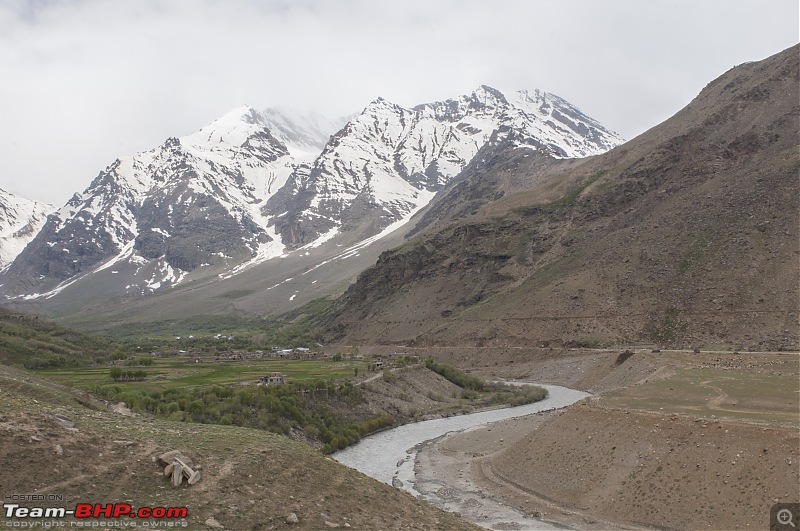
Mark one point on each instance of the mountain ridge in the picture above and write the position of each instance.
(20, 221)
(684, 236)
(410, 153)
(249, 188)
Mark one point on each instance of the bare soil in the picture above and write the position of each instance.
(655, 470)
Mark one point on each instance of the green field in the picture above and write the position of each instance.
(183, 373)
(755, 395)
(316, 400)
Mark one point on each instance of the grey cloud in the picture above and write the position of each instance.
(95, 79)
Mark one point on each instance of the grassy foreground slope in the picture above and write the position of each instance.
(251, 479)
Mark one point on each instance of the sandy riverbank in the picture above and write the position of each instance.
(712, 446)
(590, 468)
(455, 472)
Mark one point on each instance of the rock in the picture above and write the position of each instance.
(34, 438)
(167, 458)
(125, 443)
(58, 449)
(62, 421)
(121, 408)
(195, 477)
(332, 525)
(177, 474)
(212, 522)
(292, 519)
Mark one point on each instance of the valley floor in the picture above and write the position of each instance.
(668, 439)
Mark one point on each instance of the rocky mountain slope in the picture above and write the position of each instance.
(258, 185)
(20, 221)
(164, 213)
(389, 161)
(686, 235)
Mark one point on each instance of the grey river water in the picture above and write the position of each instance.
(389, 456)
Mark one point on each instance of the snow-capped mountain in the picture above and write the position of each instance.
(389, 161)
(255, 185)
(190, 202)
(20, 220)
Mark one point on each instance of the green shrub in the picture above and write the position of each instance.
(455, 376)
(469, 394)
(526, 395)
(141, 361)
(278, 409)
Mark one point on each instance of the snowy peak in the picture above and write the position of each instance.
(20, 220)
(388, 162)
(189, 203)
(257, 184)
(290, 130)
(232, 129)
(300, 131)
(538, 119)
(570, 132)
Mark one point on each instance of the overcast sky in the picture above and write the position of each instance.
(85, 81)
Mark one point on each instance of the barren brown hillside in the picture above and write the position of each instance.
(656, 470)
(685, 236)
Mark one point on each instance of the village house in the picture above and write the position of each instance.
(276, 378)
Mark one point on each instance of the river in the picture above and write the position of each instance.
(389, 456)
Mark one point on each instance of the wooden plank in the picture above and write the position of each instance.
(168, 469)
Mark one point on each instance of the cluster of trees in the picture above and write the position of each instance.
(119, 375)
(39, 344)
(526, 395)
(465, 381)
(494, 393)
(313, 407)
(142, 361)
(242, 332)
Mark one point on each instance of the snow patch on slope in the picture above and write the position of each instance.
(20, 220)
